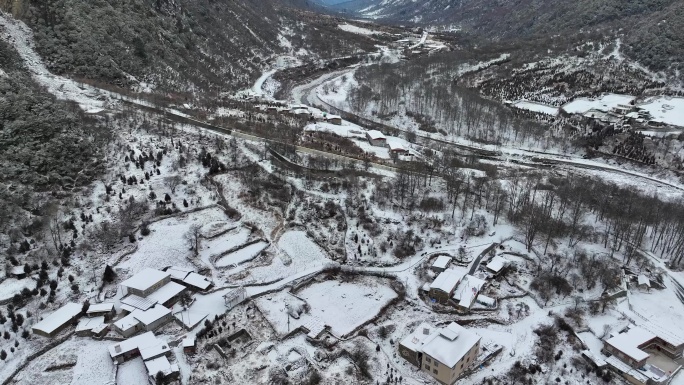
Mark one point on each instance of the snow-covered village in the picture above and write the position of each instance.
(349, 196)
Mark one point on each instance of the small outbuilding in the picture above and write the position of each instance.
(18, 272)
(376, 138)
(86, 325)
(161, 365)
(497, 264)
(189, 345)
(234, 297)
(105, 309)
(334, 119)
(643, 282)
(441, 263)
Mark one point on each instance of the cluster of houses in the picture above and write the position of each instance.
(443, 353)
(641, 356)
(378, 139)
(622, 115)
(303, 111)
(147, 303)
(456, 286)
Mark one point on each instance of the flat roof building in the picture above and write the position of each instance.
(146, 282)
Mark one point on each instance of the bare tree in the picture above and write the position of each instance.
(192, 237)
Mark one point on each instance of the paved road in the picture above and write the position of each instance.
(476, 263)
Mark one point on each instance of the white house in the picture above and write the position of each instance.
(161, 364)
(128, 325)
(145, 345)
(154, 318)
(441, 263)
(442, 288)
(497, 264)
(467, 291)
(443, 353)
(168, 294)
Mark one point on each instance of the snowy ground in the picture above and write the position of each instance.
(537, 107)
(667, 110)
(603, 103)
(166, 244)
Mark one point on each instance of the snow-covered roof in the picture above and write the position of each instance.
(178, 273)
(643, 280)
(18, 270)
(442, 262)
(99, 328)
(166, 292)
(89, 323)
(145, 279)
(315, 326)
(57, 319)
(142, 341)
(198, 281)
(414, 341)
(159, 348)
(468, 290)
(629, 342)
(376, 135)
(100, 308)
(450, 344)
(160, 364)
(188, 342)
(395, 144)
(626, 369)
(497, 263)
(138, 302)
(127, 322)
(150, 316)
(600, 362)
(447, 280)
(485, 300)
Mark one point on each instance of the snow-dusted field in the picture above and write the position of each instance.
(604, 103)
(344, 306)
(245, 254)
(302, 255)
(166, 244)
(358, 30)
(10, 286)
(665, 109)
(537, 107)
(215, 246)
(132, 372)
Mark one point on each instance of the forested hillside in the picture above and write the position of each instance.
(175, 45)
(650, 28)
(47, 148)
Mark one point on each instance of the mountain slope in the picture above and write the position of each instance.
(649, 27)
(176, 45)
